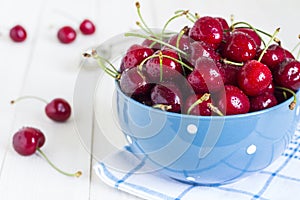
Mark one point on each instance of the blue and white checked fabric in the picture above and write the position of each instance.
(279, 181)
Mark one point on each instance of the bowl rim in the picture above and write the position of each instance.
(197, 117)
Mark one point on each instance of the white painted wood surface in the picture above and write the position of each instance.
(43, 67)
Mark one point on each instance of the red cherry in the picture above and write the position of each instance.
(200, 109)
(199, 49)
(225, 27)
(184, 42)
(58, 109)
(27, 140)
(229, 73)
(18, 33)
(167, 96)
(208, 30)
(151, 44)
(239, 47)
(254, 78)
(251, 33)
(171, 69)
(233, 101)
(66, 34)
(87, 27)
(287, 74)
(134, 56)
(206, 76)
(134, 83)
(263, 101)
(274, 55)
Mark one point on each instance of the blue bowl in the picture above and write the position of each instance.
(206, 150)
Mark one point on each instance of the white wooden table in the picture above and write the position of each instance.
(43, 67)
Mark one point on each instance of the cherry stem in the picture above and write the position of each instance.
(215, 109)
(292, 105)
(203, 98)
(231, 19)
(155, 40)
(162, 107)
(77, 174)
(177, 15)
(182, 32)
(160, 56)
(232, 63)
(189, 15)
(28, 97)
(112, 72)
(267, 46)
(294, 49)
(251, 27)
(138, 6)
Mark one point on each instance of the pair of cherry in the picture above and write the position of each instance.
(67, 34)
(28, 140)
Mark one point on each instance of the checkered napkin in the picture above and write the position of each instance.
(279, 181)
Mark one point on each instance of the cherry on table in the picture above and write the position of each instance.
(18, 33)
(66, 34)
(87, 27)
(28, 140)
(58, 109)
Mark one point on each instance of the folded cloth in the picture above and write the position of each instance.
(279, 181)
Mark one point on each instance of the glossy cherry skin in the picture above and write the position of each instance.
(200, 109)
(229, 73)
(18, 33)
(239, 47)
(134, 56)
(206, 76)
(58, 110)
(208, 30)
(274, 55)
(27, 140)
(225, 27)
(233, 101)
(254, 77)
(183, 44)
(167, 94)
(87, 27)
(66, 34)
(134, 83)
(171, 69)
(263, 101)
(252, 34)
(287, 74)
(199, 49)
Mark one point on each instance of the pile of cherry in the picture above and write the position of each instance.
(209, 68)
